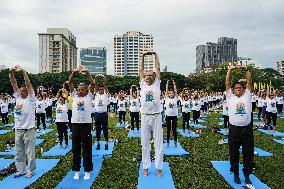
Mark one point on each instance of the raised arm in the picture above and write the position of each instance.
(175, 88)
(90, 78)
(167, 88)
(158, 69)
(249, 85)
(13, 80)
(27, 80)
(229, 78)
(105, 83)
(141, 69)
(71, 79)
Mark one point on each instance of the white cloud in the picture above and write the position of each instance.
(177, 26)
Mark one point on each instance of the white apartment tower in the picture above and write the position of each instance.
(57, 51)
(128, 50)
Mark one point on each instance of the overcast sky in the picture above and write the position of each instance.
(178, 26)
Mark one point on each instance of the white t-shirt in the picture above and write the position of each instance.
(239, 108)
(271, 105)
(101, 103)
(134, 105)
(196, 105)
(81, 108)
(40, 106)
(24, 113)
(264, 102)
(4, 106)
(279, 99)
(185, 106)
(49, 102)
(121, 105)
(260, 102)
(253, 99)
(171, 106)
(61, 113)
(150, 97)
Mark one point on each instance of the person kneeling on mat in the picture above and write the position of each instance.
(240, 129)
(151, 116)
(82, 123)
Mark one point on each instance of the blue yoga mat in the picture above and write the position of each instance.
(123, 125)
(58, 151)
(220, 123)
(226, 141)
(260, 152)
(102, 151)
(223, 167)
(222, 131)
(258, 123)
(38, 134)
(135, 134)
(68, 133)
(4, 131)
(174, 151)
(199, 120)
(279, 141)
(191, 134)
(43, 166)
(152, 181)
(13, 150)
(9, 125)
(273, 133)
(70, 183)
(220, 118)
(5, 162)
(198, 126)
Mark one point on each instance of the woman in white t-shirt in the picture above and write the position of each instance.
(62, 120)
(185, 108)
(40, 110)
(171, 112)
(271, 111)
(4, 109)
(121, 103)
(134, 108)
(259, 105)
(196, 105)
(264, 105)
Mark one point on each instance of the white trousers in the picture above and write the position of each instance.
(152, 123)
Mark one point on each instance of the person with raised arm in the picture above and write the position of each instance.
(24, 117)
(150, 115)
(240, 128)
(82, 123)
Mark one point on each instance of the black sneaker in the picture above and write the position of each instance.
(247, 180)
(106, 146)
(237, 179)
(98, 146)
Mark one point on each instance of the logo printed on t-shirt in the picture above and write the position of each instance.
(81, 106)
(240, 108)
(149, 96)
(100, 102)
(171, 105)
(18, 110)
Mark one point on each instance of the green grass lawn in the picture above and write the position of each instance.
(195, 171)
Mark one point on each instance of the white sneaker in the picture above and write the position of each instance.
(87, 175)
(37, 130)
(77, 175)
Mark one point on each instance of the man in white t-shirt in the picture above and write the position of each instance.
(101, 115)
(150, 116)
(240, 129)
(82, 123)
(24, 116)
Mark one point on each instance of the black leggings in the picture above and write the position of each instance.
(196, 115)
(279, 108)
(5, 118)
(115, 107)
(62, 130)
(226, 121)
(121, 116)
(273, 117)
(185, 120)
(171, 125)
(40, 117)
(134, 117)
(259, 112)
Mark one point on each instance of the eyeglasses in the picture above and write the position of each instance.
(149, 75)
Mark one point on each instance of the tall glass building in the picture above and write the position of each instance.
(94, 58)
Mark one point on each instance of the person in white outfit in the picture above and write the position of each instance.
(150, 116)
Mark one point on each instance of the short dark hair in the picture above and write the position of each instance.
(240, 83)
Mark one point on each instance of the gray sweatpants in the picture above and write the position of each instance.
(25, 148)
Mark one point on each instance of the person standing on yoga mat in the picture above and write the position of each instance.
(82, 123)
(150, 115)
(101, 114)
(240, 129)
(24, 117)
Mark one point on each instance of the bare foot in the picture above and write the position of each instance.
(145, 172)
(159, 173)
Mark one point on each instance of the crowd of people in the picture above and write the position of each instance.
(87, 107)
